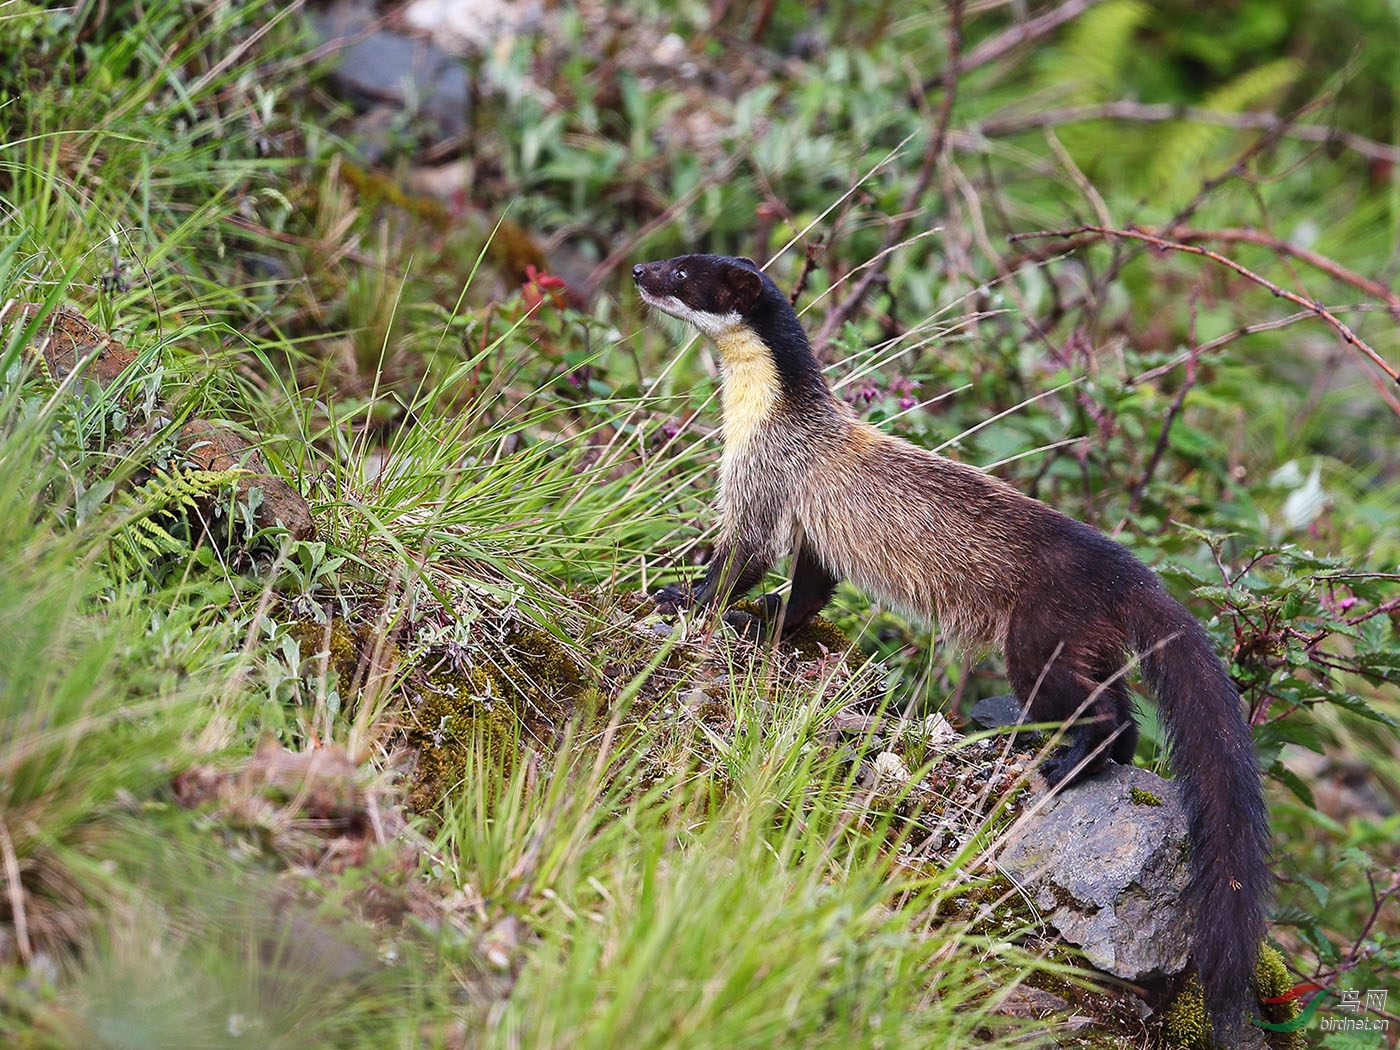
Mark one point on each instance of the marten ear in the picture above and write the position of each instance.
(741, 289)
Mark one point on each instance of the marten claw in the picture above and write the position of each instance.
(672, 598)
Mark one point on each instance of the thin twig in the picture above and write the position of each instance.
(809, 263)
(1389, 605)
(628, 245)
(1271, 135)
(1126, 109)
(1163, 244)
(1216, 344)
(1031, 29)
(1247, 235)
(1383, 391)
(1122, 255)
(1358, 951)
(1160, 448)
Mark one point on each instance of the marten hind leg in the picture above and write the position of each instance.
(812, 588)
(1124, 748)
(1054, 686)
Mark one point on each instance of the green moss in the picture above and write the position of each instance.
(531, 684)
(1144, 798)
(1271, 979)
(1185, 1025)
(995, 906)
(338, 643)
(459, 717)
(546, 672)
(341, 647)
(376, 188)
(819, 636)
(528, 679)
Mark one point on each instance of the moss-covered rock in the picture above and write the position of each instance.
(529, 684)
(461, 718)
(337, 642)
(819, 637)
(1272, 979)
(1185, 1025)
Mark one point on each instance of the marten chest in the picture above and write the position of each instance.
(752, 390)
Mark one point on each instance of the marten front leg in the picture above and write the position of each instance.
(734, 570)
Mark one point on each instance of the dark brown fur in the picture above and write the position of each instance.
(945, 541)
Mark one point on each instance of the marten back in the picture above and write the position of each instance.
(953, 555)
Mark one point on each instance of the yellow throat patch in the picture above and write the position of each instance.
(751, 385)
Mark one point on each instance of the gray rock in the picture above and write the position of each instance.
(1108, 873)
(380, 67)
(993, 712)
(1032, 1004)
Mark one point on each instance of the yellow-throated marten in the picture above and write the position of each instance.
(945, 541)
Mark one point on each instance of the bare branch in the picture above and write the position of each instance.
(1031, 29)
(1163, 244)
(1126, 109)
(1216, 343)
(600, 272)
(1331, 267)
(1163, 438)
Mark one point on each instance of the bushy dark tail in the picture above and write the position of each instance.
(1213, 756)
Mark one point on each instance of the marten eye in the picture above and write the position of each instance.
(678, 274)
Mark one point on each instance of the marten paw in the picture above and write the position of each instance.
(672, 598)
(1064, 767)
(1058, 769)
(769, 605)
(750, 627)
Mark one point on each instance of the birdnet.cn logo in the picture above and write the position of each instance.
(1348, 1009)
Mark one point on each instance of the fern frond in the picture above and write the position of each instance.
(1187, 145)
(166, 496)
(1098, 47)
(148, 536)
(167, 492)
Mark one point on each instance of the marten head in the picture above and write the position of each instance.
(713, 292)
(743, 312)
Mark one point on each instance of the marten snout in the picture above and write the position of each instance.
(657, 279)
